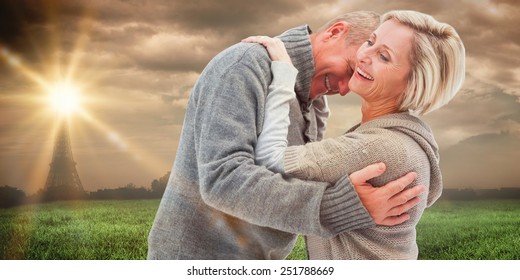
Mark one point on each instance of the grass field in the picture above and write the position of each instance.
(89, 230)
(469, 230)
(119, 229)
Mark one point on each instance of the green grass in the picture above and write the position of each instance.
(299, 251)
(77, 230)
(119, 230)
(470, 230)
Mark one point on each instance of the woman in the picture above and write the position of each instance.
(411, 65)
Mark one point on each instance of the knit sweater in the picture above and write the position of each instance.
(402, 141)
(218, 204)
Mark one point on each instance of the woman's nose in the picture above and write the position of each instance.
(363, 56)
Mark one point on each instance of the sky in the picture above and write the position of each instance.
(135, 62)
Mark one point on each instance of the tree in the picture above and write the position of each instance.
(159, 185)
(129, 191)
(11, 196)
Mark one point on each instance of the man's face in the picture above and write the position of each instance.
(334, 62)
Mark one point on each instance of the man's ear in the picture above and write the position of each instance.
(338, 29)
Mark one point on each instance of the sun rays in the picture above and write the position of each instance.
(63, 88)
(65, 98)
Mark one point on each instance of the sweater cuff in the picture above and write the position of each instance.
(342, 210)
(290, 162)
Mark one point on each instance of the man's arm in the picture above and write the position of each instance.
(226, 133)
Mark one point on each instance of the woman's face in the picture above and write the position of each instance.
(383, 63)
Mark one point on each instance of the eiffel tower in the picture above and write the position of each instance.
(63, 180)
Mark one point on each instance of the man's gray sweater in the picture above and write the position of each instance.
(218, 204)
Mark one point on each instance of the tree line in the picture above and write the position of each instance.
(12, 196)
(479, 194)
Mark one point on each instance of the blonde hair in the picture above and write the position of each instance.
(437, 59)
(362, 24)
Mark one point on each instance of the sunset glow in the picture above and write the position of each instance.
(64, 98)
(62, 88)
(121, 73)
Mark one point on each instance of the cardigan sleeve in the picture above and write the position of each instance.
(330, 159)
(325, 161)
(272, 141)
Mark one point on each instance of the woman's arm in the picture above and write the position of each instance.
(272, 142)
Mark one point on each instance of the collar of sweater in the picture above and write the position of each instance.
(403, 120)
(298, 45)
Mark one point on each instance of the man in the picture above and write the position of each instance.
(218, 204)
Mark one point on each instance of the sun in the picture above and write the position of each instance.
(64, 98)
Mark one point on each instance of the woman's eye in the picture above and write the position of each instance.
(384, 58)
(370, 43)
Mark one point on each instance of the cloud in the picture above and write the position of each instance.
(492, 43)
(483, 161)
(139, 59)
(168, 52)
(235, 15)
(480, 107)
